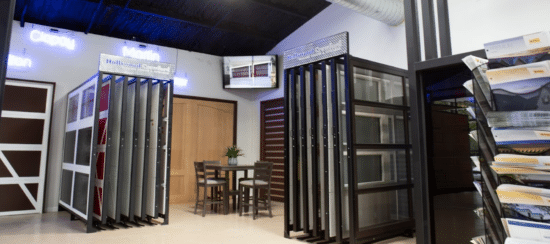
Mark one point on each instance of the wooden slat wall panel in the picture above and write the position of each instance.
(272, 143)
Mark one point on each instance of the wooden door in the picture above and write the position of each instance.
(272, 143)
(201, 130)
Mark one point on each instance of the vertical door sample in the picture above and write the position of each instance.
(78, 158)
(102, 157)
(24, 134)
(271, 143)
(153, 178)
(140, 194)
(128, 150)
(113, 150)
(166, 140)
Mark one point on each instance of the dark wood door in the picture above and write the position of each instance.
(272, 143)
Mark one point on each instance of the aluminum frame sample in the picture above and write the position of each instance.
(87, 92)
(152, 180)
(140, 190)
(166, 147)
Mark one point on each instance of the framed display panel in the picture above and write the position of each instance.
(80, 155)
(26, 120)
(111, 170)
(128, 154)
(153, 178)
(140, 196)
(166, 148)
(344, 150)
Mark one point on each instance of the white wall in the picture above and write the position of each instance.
(475, 22)
(369, 39)
(68, 69)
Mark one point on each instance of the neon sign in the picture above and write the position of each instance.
(139, 54)
(52, 40)
(180, 81)
(16, 61)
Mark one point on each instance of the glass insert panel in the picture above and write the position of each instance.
(68, 153)
(83, 149)
(375, 86)
(379, 125)
(378, 167)
(72, 109)
(66, 186)
(87, 109)
(80, 197)
(389, 206)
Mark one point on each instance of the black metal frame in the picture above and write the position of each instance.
(144, 196)
(300, 190)
(159, 151)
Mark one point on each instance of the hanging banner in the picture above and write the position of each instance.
(318, 50)
(136, 67)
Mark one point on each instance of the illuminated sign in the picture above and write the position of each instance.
(139, 54)
(16, 61)
(52, 40)
(180, 81)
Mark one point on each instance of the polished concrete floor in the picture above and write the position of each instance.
(455, 220)
(184, 227)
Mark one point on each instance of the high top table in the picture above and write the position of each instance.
(234, 191)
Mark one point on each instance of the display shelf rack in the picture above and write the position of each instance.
(494, 230)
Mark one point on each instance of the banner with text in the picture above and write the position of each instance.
(318, 50)
(136, 67)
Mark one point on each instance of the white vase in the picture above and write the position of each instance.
(232, 161)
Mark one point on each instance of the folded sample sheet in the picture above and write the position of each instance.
(525, 203)
(511, 240)
(518, 118)
(523, 139)
(527, 230)
(522, 176)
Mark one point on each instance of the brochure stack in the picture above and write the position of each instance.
(512, 91)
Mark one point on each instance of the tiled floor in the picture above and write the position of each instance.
(184, 227)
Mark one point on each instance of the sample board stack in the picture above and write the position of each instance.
(512, 91)
(116, 160)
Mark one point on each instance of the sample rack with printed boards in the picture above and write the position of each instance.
(348, 177)
(116, 160)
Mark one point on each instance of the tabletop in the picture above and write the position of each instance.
(229, 167)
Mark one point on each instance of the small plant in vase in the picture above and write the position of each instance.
(232, 153)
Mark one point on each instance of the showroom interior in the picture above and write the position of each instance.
(235, 73)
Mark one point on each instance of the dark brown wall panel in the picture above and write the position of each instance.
(21, 131)
(33, 188)
(4, 171)
(16, 201)
(25, 163)
(25, 99)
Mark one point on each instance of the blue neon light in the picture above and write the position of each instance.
(52, 40)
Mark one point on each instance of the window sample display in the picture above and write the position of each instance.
(140, 193)
(128, 154)
(110, 175)
(24, 142)
(364, 156)
(250, 72)
(78, 197)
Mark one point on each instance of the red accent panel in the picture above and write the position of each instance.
(104, 101)
(102, 133)
(98, 196)
(100, 166)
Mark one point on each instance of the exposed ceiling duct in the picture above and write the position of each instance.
(390, 12)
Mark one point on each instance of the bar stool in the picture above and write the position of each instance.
(204, 181)
(261, 180)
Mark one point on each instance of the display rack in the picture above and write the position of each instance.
(494, 230)
(347, 150)
(116, 160)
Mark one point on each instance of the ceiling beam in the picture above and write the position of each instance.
(282, 9)
(93, 17)
(26, 5)
(172, 15)
(227, 27)
(119, 12)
